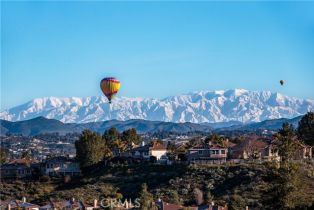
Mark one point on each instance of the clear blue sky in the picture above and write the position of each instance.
(156, 49)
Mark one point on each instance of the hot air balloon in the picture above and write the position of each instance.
(109, 86)
(282, 82)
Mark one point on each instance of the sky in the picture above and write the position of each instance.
(156, 49)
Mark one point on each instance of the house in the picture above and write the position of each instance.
(207, 152)
(213, 207)
(255, 148)
(18, 168)
(155, 149)
(303, 152)
(161, 205)
(18, 204)
(72, 204)
(60, 166)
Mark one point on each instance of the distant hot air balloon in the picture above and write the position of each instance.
(110, 86)
(282, 82)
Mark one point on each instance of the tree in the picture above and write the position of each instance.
(286, 188)
(174, 197)
(236, 202)
(253, 149)
(198, 196)
(112, 139)
(130, 136)
(306, 129)
(3, 155)
(146, 199)
(26, 155)
(216, 139)
(89, 148)
(111, 135)
(172, 152)
(286, 142)
(209, 197)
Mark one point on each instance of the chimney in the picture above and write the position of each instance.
(9, 206)
(143, 144)
(95, 203)
(213, 204)
(246, 208)
(24, 200)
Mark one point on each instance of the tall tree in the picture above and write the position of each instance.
(146, 199)
(130, 136)
(306, 129)
(286, 142)
(285, 188)
(111, 135)
(3, 155)
(112, 138)
(89, 148)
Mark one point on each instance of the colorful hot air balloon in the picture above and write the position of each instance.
(110, 86)
(282, 82)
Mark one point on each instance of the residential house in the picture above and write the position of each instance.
(68, 205)
(61, 166)
(207, 152)
(161, 205)
(18, 168)
(213, 207)
(155, 149)
(255, 148)
(303, 152)
(18, 204)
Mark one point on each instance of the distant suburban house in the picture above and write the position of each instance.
(60, 166)
(155, 149)
(18, 204)
(18, 168)
(73, 205)
(304, 152)
(255, 148)
(161, 205)
(205, 152)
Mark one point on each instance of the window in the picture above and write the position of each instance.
(215, 152)
(200, 152)
(223, 151)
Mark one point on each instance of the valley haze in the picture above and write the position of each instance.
(198, 107)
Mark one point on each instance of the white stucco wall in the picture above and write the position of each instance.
(158, 153)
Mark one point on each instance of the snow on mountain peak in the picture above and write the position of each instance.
(197, 107)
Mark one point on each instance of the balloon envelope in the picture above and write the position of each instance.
(110, 87)
(282, 82)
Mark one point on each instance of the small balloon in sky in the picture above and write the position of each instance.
(282, 82)
(110, 87)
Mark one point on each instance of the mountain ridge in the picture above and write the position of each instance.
(42, 125)
(238, 105)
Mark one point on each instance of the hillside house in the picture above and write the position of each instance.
(304, 152)
(72, 204)
(161, 205)
(207, 152)
(18, 168)
(18, 204)
(255, 148)
(60, 166)
(155, 149)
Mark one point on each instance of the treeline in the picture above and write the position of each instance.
(93, 147)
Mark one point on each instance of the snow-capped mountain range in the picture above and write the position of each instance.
(197, 107)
